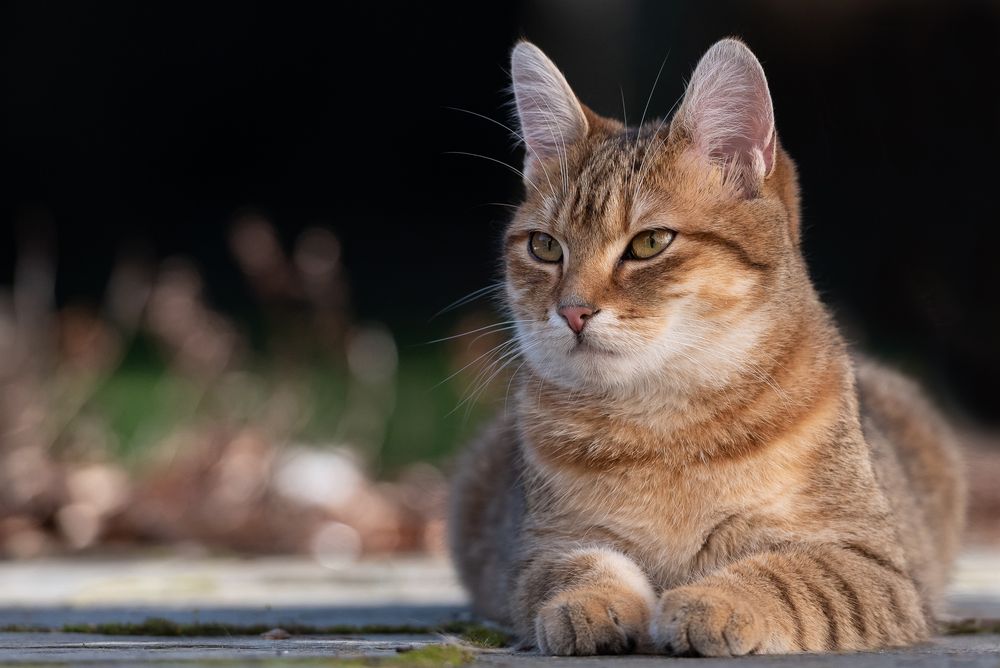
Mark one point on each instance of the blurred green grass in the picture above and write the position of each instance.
(144, 401)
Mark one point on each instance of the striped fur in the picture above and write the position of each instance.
(705, 469)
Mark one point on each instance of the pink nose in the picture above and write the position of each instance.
(576, 316)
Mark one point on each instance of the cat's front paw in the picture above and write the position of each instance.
(705, 621)
(591, 622)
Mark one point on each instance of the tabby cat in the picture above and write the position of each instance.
(691, 461)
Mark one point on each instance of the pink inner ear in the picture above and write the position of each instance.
(728, 112)
(749, 139)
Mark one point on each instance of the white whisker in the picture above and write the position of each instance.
(499, 162)
(479, 384)
(513, 132)
(472, 296)
(488, 352)
(496, 326)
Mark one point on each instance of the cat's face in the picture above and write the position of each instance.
(647, 258)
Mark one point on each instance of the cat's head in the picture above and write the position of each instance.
(665, 255)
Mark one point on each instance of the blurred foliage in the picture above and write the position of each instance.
(155, 417)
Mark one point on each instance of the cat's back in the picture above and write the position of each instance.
(484, 514)
(917, 460)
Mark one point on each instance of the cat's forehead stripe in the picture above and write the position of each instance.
(610, 169)
(594, 187)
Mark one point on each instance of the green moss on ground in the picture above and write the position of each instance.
(427, 656)
(485, 637)
(474, 634)
(156, 626)
(969, 626)
(24, 628)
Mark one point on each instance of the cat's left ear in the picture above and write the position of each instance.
(728, 116)
(549, 114)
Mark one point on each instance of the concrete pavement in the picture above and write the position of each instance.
(415, 593)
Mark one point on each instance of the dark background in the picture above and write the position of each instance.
(147, 127)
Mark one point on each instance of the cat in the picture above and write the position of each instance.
(692, 462)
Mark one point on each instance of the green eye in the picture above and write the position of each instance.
(649, 244)
(544, 247)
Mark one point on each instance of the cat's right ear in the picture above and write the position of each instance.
(550, 116)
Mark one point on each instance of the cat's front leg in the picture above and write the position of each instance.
(584, 601)
(806, 598)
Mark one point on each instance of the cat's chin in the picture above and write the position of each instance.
(588, 366)
(587, 347)
(595, 362)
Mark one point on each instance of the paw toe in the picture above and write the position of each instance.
(581, 627)
(705, 623)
